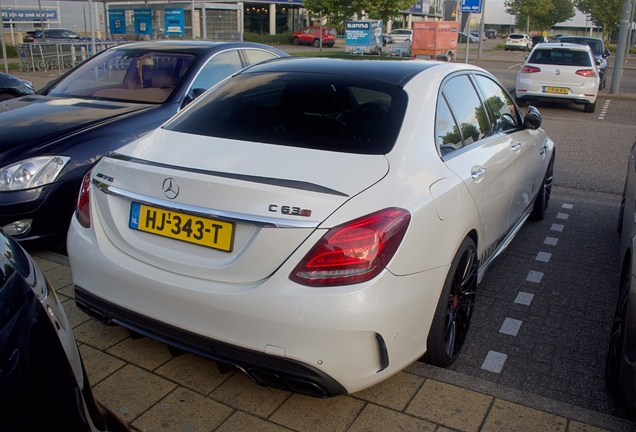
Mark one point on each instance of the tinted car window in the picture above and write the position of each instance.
(469, 112)
(595, 44)
(326, 112)
(561, 57)
(502, 111)
(219, 67)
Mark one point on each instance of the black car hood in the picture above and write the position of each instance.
(35, 121)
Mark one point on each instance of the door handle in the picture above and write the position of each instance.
(515, 147)
(477, 173)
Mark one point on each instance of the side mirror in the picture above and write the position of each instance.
(532, 120)
(598, 62)
(606, 53)
(192, 95)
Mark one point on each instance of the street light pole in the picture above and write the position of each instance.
(481, 27)
(620, 49)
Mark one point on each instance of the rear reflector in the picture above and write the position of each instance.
(355, 251)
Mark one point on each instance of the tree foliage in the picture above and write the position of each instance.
(540, 14)
(338, 12)
(603, 13)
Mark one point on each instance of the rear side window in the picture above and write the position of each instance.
(469, 112)
(325, 112)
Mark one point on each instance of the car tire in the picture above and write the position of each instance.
(617, 336)
(449, 56)
(454, 309)
(317, 43)
(590, 108)
(619, 227)
(295, 41)
(543, 196)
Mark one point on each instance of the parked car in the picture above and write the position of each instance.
(536, 40)
(398, 35)
(598, 50)
(556, 37)
(52, 35)
(559, 72)
(51, 139)
(29, 36)
(43, 382)
(620, 368)
(12, 87)
(462, 38)
(518, 41)
(311, 36)
(317, 234)
(491, 34)
(476, 35)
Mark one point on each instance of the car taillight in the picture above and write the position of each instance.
(586, 72)
(83, 210)
(355, 251)
(530, 69)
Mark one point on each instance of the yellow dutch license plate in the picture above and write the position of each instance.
(560, 90)
(180, 226)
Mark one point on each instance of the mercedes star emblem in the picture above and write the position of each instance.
(170, 188)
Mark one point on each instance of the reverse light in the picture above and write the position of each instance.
(83, 209)
(31, 172)
(586, 73)
(354, 252)
(530, 69)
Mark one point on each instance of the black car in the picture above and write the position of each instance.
(598, 49)
(52, 138)
(536, 40)
(43, 384)
(13, 87)
(52, 35)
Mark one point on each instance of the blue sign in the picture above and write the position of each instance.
(143, 21)
(420, 7)
(30, 15)
(117, 21)
(174, 21)
(471, 6)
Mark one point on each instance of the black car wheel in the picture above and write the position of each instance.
(615, 352)
(454, 309)
(543, 197)
(295, 41)
(590, 107)
(317, 43)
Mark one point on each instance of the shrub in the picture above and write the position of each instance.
(11, 52)
(267, 39)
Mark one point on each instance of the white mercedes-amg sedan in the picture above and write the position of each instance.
(317, 223)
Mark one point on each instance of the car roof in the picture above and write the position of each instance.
(391, 71)
(187, 47)
(581, 38)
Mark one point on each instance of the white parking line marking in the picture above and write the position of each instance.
(552, 241)
(524, 298)
(543, 257)
(563, 216)
(515, 65)
(604, 110)
(494, 361)
(556, 227)
(568, 206)
(534, 276)
(510, 326)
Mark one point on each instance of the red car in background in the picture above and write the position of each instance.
(311, 36)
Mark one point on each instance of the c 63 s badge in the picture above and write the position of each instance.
(289, 210)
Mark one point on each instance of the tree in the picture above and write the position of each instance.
(563, 11)
(338, 12)
(525, 10)
(603, 13)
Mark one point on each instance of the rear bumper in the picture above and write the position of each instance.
(585, 94)
(317, 341)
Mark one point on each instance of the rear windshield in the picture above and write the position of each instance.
(561, 57)
(516, 36)
(318, 111)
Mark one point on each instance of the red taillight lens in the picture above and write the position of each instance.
(353, 252)
(83, 210)
(586, 73)
(530, 69)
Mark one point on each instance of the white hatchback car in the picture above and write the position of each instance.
(518, 41)
(319, 224)
(559, 72)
